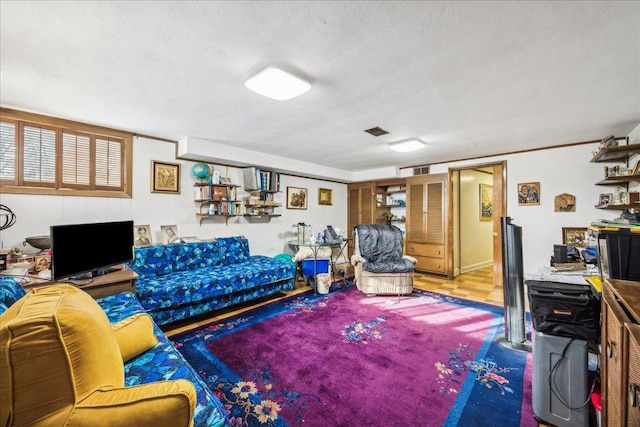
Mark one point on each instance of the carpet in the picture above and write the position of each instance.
(348, 359)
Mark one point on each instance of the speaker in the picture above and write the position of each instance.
(560, 254)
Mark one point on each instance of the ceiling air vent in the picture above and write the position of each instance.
(422, 170)
(376, 131)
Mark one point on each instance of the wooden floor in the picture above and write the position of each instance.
(476, 285)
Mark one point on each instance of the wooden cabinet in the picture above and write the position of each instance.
(361, 202)
(621, 348)
(391, 202)
(426, 222)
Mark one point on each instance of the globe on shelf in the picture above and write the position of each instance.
(201, 172)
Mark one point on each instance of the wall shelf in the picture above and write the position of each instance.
(262, 186)
(618, 154)
(619, 180)
(219, 201)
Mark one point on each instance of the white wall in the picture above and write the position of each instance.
(559, 170)
(36, 213)
(476, 246)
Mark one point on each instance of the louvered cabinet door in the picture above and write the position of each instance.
(633, 377)
(361, 207)
(613, 365)
(426, 236)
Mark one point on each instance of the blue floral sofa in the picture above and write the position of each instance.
(161, 362)
(178, 281)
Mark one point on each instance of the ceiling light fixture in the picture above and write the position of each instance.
(276, 84)
(412, 144)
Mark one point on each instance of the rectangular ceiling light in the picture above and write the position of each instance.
(407, 145)
(277, 84)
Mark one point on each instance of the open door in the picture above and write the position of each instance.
(499, 207)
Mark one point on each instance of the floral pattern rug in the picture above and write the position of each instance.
(348, 359)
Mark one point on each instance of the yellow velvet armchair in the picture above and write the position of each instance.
(61, 364)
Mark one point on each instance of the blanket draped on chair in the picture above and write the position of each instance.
(381, 247)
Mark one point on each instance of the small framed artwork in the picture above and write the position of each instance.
(169, 234)
(574, 236)
(43, 262)
(604, 199)
(529, 193)
(325, 196)
(142, 235)
(564, 203)
(297, 198)
(225, 180)
(165, 177)
(486, 202)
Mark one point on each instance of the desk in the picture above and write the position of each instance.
(315, 248)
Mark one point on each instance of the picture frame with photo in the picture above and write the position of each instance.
(325, 196)
(170, 234)
(165, 177)
(529, 193)
(142, 235)
(486, 202)
(225, 180)
(42, 262)
(574, 236)
(297, 198)
(605, 199)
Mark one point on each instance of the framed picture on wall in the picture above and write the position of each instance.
(486, 202)
(529, 193)
(325, 196)
(165, 177)
(297, 198)
(564, 203)
(574, 236)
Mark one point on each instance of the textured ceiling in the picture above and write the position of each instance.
(469, 78)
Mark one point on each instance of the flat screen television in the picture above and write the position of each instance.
(83, 248)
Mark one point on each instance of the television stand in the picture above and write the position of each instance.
(119, 280)
(122, 280)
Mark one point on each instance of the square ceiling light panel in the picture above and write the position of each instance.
(277, 84)
(408, 145)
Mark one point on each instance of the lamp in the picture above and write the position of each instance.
(276, 84)
(407, 145)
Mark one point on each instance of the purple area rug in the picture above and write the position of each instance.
(347, 359)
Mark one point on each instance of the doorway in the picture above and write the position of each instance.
(478, 200)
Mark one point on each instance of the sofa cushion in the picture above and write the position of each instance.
(184, 287)
(135, 335)
(10, 292)
(163, 362)
(155, 260)
(233, 250)
(197, 255)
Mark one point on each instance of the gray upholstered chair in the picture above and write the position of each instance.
(380, 267)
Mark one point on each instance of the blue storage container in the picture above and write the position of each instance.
(322, 266)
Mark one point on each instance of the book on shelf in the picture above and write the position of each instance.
(259, 180)
(201, 192)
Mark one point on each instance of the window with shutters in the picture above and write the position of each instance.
(45, 155)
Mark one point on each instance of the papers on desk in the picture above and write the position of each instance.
(558, 278)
